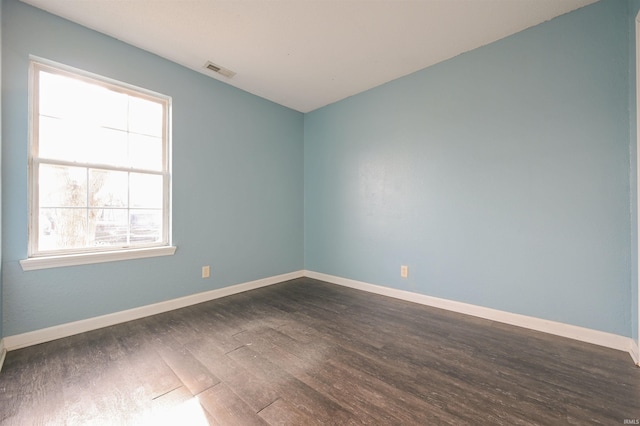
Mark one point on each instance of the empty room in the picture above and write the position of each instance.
(298, 212)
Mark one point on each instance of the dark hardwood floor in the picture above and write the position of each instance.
(306, 352)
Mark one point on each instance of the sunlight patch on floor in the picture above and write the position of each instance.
(189, 412)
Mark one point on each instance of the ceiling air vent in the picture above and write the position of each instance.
(222, 71)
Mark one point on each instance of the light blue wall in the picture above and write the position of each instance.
(500, 177)
(237, 181)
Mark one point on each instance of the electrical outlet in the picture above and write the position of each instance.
(206, 271)
(404, 271)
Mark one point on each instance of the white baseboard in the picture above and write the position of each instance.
(64, 330)
(588, 335)
(3, 353)
(596, 337)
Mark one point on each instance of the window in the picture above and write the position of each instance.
(99, 168)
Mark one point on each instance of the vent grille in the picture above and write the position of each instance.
(218, 69)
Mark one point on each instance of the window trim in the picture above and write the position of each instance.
(45, 262)
(88, 255)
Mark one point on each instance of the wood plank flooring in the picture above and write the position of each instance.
(305, 352)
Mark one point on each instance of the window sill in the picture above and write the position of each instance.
(35, 263)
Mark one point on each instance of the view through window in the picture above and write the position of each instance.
(99, 164)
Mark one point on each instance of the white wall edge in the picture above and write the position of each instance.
(69, 329)
(3, 353)
(635, 346)
(634, 350)
(588, 335)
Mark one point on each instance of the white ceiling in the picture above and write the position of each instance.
(305, 54)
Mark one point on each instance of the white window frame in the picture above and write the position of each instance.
(89, 255)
